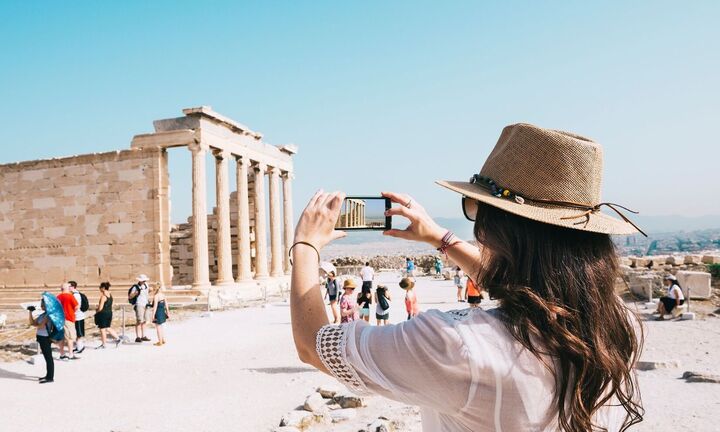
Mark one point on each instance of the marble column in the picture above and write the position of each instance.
(223, 244)
(201, 272)
(243, 224)
(276, 265)
(288, 233)
(261, 265)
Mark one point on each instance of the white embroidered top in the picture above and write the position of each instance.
(462, 368)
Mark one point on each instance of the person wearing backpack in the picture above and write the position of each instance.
(138, 297)
(43, 338)
(70, 306)
(382, 302)
(79, 316)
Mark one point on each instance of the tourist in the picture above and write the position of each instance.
(43, 339)
(409, 267)
(69, 305)
(104, 316)
(474, 295)
(411, 302)
(367, 274)
(560, 350)
(348, 306)
(382, 305)
(457, 280)
(79, 317)
(331, 293)
(364, 300)
(160, 314)
(138, 297)
(438, 266)
(673, 299)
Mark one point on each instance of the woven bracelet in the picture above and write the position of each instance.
(303, 243)
(446, 242)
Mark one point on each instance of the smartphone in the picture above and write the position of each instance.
(364, 213)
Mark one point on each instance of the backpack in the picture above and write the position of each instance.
(55, 334)
(132, 300)
(84, 304)
(382, 301)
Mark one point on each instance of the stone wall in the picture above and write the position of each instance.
(90, 218)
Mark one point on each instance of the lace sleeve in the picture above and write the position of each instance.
(330, 346)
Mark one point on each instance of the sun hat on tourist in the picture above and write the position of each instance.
(143, 278)
(349, 284)
(406, 283)
(546, 175)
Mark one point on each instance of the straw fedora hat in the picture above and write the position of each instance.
(546, 175)
(349, 284)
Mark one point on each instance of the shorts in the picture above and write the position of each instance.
(332, 297)
(383, 317)
(80, 328)
(367, 286)
(365, 312)
(474, 299)
(140, 313)
(70, 334)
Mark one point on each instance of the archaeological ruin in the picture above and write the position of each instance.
(106, 216)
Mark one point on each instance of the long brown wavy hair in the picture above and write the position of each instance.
(555, 287)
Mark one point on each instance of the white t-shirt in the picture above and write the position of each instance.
(672, 291)
(367, 274)
(462, 368)
(79, 315)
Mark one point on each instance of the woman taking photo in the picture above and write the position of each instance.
(557, 353)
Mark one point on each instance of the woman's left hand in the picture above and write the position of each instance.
(317, 222)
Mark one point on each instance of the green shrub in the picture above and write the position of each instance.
(714, 270)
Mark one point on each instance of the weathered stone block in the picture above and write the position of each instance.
(711, 259)
(120, 228)
(693, 259)
(697, 282)
(43, 203)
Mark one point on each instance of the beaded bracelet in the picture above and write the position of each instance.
(447, 242)
(303, 243)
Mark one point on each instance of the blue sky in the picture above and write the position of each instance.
(378, 95)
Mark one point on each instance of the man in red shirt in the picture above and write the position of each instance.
(69, 304)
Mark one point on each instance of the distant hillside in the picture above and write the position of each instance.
(667, 234)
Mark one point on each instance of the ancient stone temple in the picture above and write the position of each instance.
(105, 216)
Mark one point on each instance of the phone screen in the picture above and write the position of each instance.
(364, 213)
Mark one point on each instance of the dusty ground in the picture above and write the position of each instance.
(238, 370)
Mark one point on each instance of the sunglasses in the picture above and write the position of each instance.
(470, 208)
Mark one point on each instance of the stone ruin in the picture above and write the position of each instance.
(644, 275)
(106, 216)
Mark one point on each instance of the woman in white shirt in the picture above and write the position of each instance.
(558, 352)
(674, 297)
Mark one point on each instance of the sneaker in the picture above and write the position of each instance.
(158, 343)
(79, 351)
(138, 340)
(75, 358)
(100, 347)
(46, 381)
(118, 342)
(145, 339)
(75, 350)
(64, 358)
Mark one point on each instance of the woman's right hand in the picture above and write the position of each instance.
(422, 227)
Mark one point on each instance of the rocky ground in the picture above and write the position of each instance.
(238, 370)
